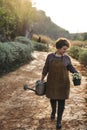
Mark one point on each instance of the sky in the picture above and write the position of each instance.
(68, 14)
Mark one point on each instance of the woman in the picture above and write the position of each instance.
(57, 66)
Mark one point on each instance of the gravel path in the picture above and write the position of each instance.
(24, 110)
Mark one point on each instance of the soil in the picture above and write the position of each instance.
(24, 110)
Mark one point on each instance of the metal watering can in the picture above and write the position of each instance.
(40, 88)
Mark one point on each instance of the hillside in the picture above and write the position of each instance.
(45, 26)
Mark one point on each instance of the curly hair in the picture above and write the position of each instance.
(62, 42)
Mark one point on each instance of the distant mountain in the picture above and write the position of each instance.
(45, 26)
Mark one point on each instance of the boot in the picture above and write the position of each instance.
(59, 119)
(61, 105)
(59, 125)
(53, 106)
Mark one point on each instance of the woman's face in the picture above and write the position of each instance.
(62, 50)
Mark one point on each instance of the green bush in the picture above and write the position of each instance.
(26, 41)
(79, 54)
(12, 54)
(40, 46)
(83, 57)
(74, 52)
(22, 39)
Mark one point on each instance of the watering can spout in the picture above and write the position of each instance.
(27, 87)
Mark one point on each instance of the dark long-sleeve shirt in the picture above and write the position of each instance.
(66, 60)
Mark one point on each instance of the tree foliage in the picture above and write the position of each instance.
(15, 16)
(7, 22)
(18, 17)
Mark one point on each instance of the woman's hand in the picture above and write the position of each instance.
(42, 78)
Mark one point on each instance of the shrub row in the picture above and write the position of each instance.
(38, 46)
(79, 53)
(14, 54)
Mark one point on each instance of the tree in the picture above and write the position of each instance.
(7, 22)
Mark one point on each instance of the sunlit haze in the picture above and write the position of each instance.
(68, 14)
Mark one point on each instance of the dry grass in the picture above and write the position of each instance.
(79, 43)
(41, 38)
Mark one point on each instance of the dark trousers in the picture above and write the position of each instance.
(59, 105)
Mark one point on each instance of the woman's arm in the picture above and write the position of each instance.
(71, 68)
(42, 78)
(45, 68)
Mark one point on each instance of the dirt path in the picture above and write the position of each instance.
(23, 110)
